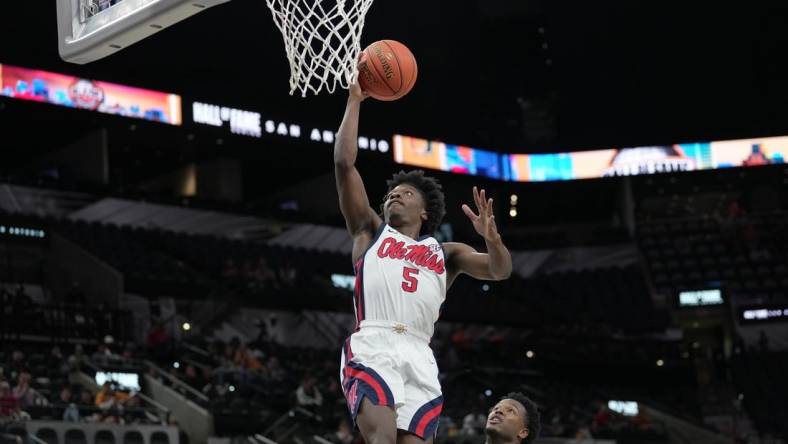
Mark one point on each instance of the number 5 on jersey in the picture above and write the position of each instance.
(410, 283)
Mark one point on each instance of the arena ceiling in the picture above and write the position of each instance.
(589, 74)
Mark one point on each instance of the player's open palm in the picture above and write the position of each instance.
(484, 221)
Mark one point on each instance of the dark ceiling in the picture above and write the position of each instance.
(590, 74)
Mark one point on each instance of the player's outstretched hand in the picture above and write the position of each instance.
(356, 93)
(484, 222)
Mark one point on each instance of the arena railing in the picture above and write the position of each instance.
(177, 382)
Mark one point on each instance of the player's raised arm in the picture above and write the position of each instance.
(496, 264)
(360, 218)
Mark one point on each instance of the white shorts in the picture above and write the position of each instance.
(392, 366)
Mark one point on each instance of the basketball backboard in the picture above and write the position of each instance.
(89, 30)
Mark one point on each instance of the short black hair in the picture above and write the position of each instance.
(432, 192)
(532, 420)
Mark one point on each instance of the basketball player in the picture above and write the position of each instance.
(389, 374)
(514, 420)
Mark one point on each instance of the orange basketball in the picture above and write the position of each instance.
(387, 70)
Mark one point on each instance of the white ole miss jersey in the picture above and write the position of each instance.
(402, 280)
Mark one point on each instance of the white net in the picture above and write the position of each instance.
(322, 41)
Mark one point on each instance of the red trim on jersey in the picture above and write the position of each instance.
(427, 418)
(359, 374)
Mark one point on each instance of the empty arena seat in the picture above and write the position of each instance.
(47, 435)
(104, 437)
(159, 438)
(133, 437)
(75, 436)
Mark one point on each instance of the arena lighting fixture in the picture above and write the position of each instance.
(626, 408)
(176, 364)
(698, 298)
(128, 381)
(660, 362)
(529, 354)
(513, 199)
(488, 393)
(513, 212)
(186, 326)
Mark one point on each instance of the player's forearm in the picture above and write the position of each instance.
(500, 258)
(346, 145)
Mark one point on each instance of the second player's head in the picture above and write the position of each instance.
(515, 418)
(414, 198)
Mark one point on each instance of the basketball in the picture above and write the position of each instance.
(387, 70)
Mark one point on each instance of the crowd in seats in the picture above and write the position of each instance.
(575, 317)
(726, 229)
(36, 383)
(258, 376)
(745, 254)
(155, 262)
(261, 380)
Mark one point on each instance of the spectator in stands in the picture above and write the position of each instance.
(262, 332)
(26, 394)
(225, 369)
(66, 396)
(130, 415)
(158, 341)
(193, 378)
(103, 356)
(515, 418)
(473, 423)
(9, 404)
(307, 394)
(602, 418)
(78, 359)
(244, 359)
(70, 409)
(86, 398)
(107, 398)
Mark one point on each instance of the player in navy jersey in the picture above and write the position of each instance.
(389, 375)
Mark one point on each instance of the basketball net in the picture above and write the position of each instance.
(322, 41)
